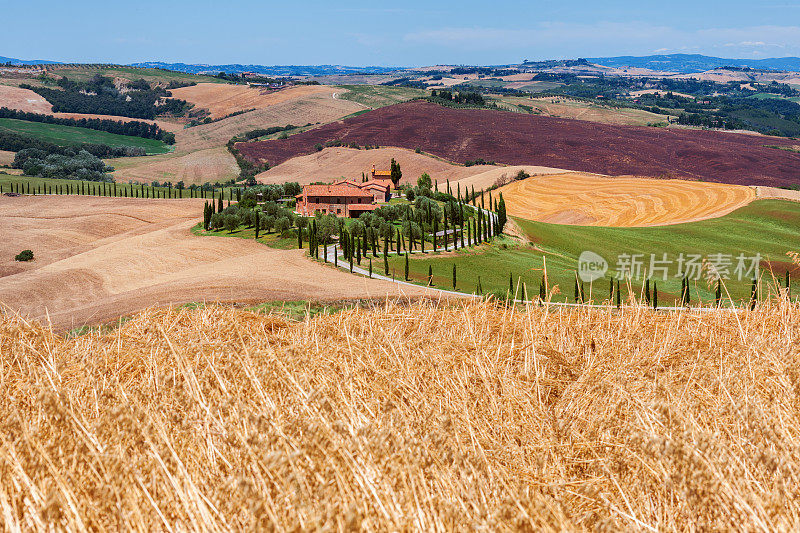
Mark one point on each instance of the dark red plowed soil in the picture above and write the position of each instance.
(511, 138)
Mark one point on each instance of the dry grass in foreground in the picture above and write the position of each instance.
(420, 417)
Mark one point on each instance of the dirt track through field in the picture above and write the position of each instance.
(101, 258)
(591, 200)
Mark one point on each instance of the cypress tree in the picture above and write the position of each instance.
(655, 295)
(542, 290)
(583, 294)
(358, 250)
(430, 275)
(325, 253)
(364, 249)
(647, 291)
(454, 276)
(788, 284)
(511, 284)
(577, 293)
(256, 221)
(610, 289)
(398, 241)
(435, 231)
(461, 235)
(473, 195)
(370, 268)
(406, 271)
(335, 256)
(351, 264)
(619, 297)
(220, 207)
(385, 262)
(718, 296)
(753, 294)
(479, 287)
(300, 238)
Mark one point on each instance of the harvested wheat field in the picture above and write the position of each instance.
(6, 157)
(212, 164)
(23, 100)
(591, 200)
(394, 419)
(337, 162)
(223, 99)
(100, 258)
(200, 154)
(579, 110)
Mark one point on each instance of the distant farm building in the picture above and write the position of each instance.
(383, 176)
(344, 198)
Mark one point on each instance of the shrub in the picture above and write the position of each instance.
(521, 175)
(24, 255)
(318, 147)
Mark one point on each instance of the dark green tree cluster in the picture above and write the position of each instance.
(100, 96)
(79, 166)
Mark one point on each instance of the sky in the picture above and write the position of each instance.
(379, 33)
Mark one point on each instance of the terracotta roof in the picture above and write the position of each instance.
(387, 173)
(347, 182)
(362, 207)
(334, 190)
(374, 183)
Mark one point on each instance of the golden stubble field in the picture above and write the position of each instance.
(415, 417)
(101, 258)
(594, 200)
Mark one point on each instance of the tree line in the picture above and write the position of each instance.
(14, 142)
(133, 128)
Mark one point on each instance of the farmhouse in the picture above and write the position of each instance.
(382, 176)
(341, 199)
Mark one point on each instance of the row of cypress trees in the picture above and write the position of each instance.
(103, 188)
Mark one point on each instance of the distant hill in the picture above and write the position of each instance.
(27, 61)
(276, 70)
(689, 63)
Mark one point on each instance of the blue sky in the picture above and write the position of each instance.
(374, 32)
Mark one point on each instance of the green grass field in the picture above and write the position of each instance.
(69, 135)
(375, 96)
(764, 96)
(767, 227)
(273, 240)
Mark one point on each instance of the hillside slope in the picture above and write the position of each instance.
(512, 138)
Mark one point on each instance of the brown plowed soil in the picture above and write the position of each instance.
(101, 258)
(591, 200)
(512, 138)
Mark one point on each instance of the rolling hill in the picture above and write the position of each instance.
(461, 135)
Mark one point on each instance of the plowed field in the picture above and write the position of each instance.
(512, 138)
